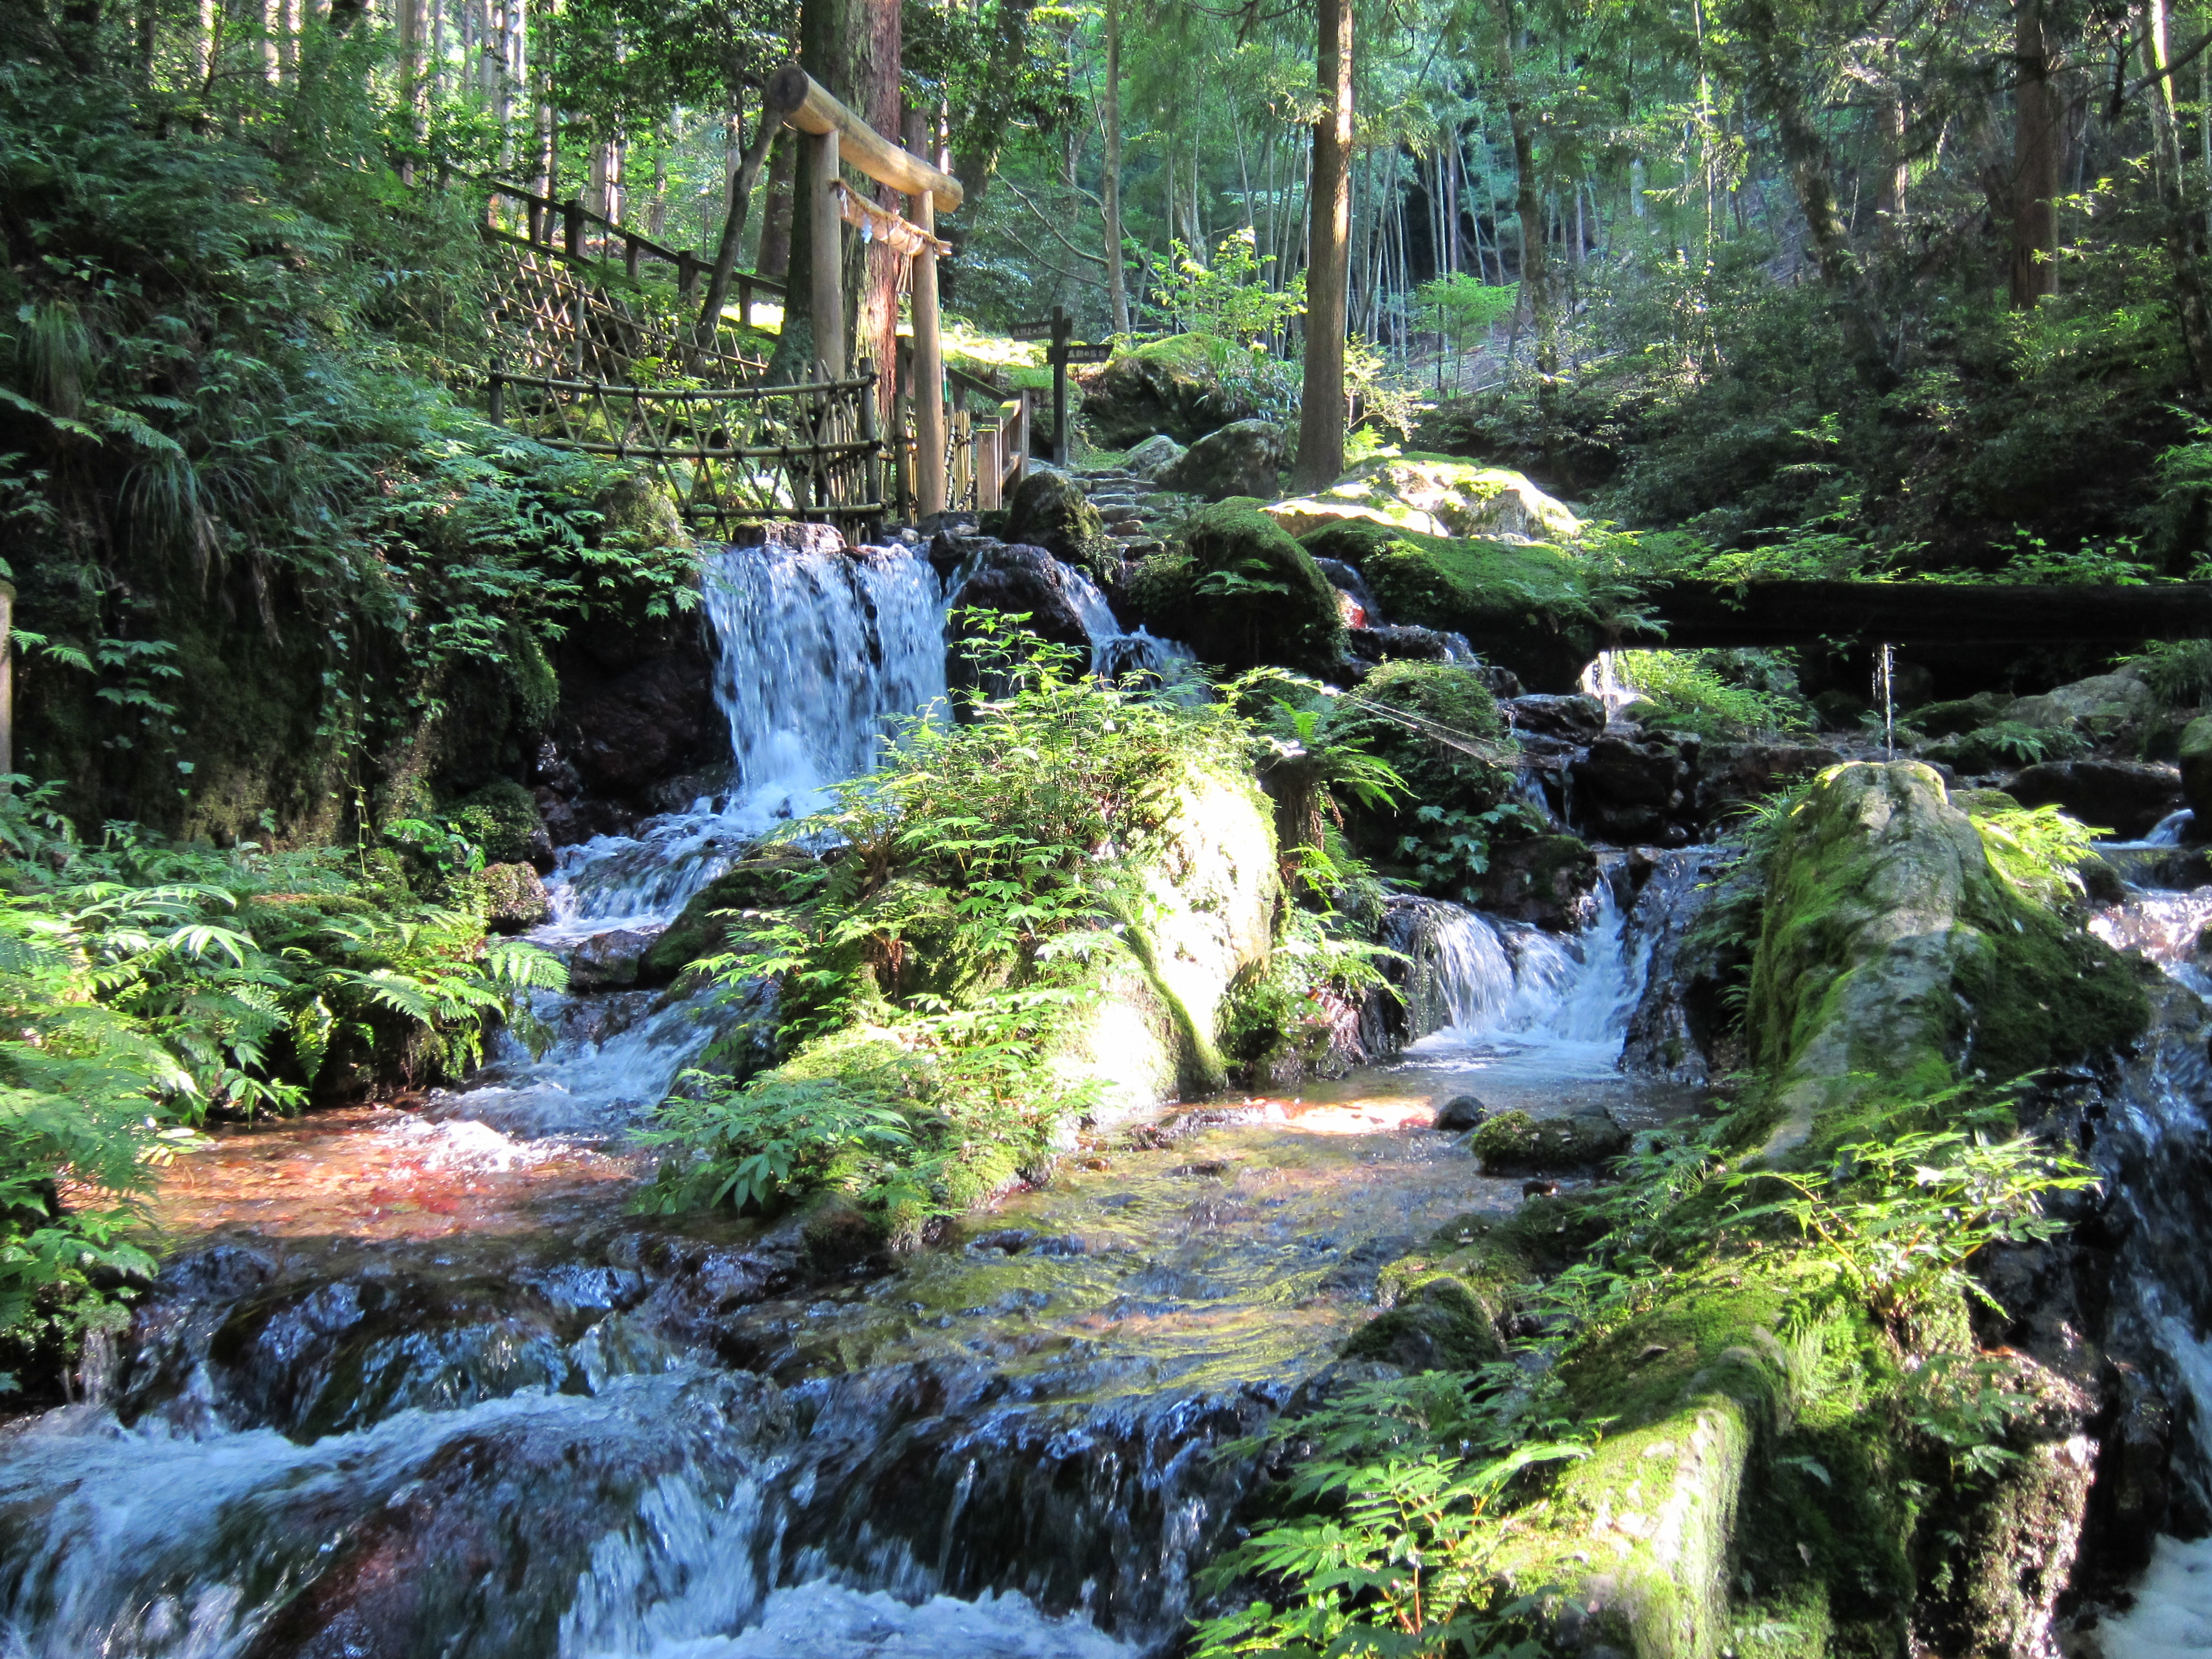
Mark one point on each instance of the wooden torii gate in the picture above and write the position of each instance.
(839, 136)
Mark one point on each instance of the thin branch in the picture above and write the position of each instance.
(1094, 259)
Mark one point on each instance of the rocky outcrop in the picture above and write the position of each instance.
(1548, 880)
(1164, 386)
(1019, 581)
(1240, 593)
(1245, 458)
(1436, 496)
(1153, 457)
(1891, 955)
(1049, 510)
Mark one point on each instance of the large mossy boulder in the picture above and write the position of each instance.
(1524, 606)
(1893, 959)
(1245, 458)
(1241, 592)
(1436, 496)
(1018, 582)
(1049, 510)
(1173, 386)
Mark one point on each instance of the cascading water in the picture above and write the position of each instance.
(821, 652)
(2155, 1153)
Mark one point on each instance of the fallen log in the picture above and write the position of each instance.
(1708, 615)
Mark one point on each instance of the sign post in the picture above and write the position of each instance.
(1065, 349)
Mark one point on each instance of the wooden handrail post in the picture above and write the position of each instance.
(498, 399)
(572, 229)
(687, 273)
(828, 291)
(630, 256)
(928, 367)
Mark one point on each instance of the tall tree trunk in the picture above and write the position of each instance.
(1117, 285)
(2185, 220)
(2036, 113)
(834, 48)
(773, 132)
(774, 258)
(1777, 86)
(1328, 265)
(876, 85)
(1535, 300)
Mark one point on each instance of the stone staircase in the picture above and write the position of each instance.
(1137, 514)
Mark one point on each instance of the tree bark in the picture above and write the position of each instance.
(2184, 222)
(831, 34)
(771, 131)
(1117, 286)
(2036, 113)
(1321, 418)
(875, 82)
(775, 260)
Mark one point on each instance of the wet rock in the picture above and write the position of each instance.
(1730, 776)
(1245, 458)
(1460, 1113)
(2195, 759)
(1021, 581)
(1546, 879)
(1153, 456)
(1955, 719)
(701, 929)
(1513, 1143)
(2127, 797)
(1441, 1326)
(1573, 719)
(610, 959)
(515, 898)
(1631, 784)
(1376, 644)
(2131, 1504)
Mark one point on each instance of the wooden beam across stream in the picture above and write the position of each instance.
(1708, 615)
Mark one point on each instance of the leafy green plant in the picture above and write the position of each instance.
(755, 1146)
(2038, 852)
(1893, 1223)
(2178, 672)
(1688, 690)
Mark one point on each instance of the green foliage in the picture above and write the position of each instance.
(1894, 1222)
(778, 1137)
(1227, 300)
(1707, 692)
(147, 986)
(936, 964)
(2002, 743)
(2039, 853)
(2178, 672)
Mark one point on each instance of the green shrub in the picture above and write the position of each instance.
(1705, 692)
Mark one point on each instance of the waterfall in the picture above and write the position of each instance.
(821, 655)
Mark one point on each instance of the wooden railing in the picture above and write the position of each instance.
(541, 216)
(727, 456)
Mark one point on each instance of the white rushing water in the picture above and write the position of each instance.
(2172, 1613)
(1534, 1002)
(822, 655)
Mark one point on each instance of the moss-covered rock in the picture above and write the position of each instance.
(1436, 496)
(1513, 1143)
(502, 819)
(1245, 458)
(1173, 386)
(513, 897)
(1525, 607)
(702, 928)
(1548, 880)
(1440, 1325)
(1242, 593)
(1892, 957)
(1049, 510)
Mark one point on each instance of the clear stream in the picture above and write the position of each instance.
(421, 1382)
